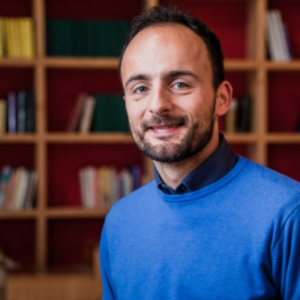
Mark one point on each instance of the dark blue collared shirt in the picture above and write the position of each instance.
(218, 164)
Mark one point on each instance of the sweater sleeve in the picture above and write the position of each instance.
(107, 290)
(286, 258)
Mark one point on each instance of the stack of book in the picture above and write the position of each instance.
(17, 113)
(101, 187)
(277, 37)
(86, 37)
(238, 117)
(17, 188)
(17, 38)
(98, 113)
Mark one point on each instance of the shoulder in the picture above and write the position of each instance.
(258, 174)
(266, 184)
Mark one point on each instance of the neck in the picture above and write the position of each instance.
(173, 173)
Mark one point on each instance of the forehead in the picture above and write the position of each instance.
(161, 47)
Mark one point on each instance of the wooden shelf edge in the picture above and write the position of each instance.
(17, 62)
(18, 214)
(18, 138)
(77, 212)
(293, 65)
(106, 138)
(283, 138)
(79, 63)
(241, 138)
(240, 65)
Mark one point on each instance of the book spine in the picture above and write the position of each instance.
(231, 117)
(77, 113)
(21, 111)
(87, 115)
(3, 108)
(12, 112)
(30, 112)
(4, 180)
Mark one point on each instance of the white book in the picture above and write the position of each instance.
(282, 35)
(272, 37)
(89, 186)
(21, 188)
(276, 36)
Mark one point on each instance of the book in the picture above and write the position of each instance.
(3, 108)
(244, 114)
(22, 183)
(277, 37)
(11, 185)
(12, 112)
(4, 179)
(8, 37)
(2, 43)
(76, 113)
(231, 116)
(272, 38)
(281, 28)
(31, 190)
(110, 114)
(88, 187)
(30, 112)
(17, 38)
(85, 37)
(87, 115)
(27, 37)
(21, 112)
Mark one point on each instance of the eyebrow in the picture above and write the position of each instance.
(178, 73)
(166, 76)
(136, 77)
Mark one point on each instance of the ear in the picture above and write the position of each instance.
(223, 98)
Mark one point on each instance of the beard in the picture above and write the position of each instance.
(195, 139)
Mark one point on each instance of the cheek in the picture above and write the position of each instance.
(134, 113)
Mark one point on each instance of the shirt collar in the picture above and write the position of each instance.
(218, 164)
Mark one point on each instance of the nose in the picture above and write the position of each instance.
(160, 101)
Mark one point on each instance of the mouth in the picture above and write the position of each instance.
(164, 127)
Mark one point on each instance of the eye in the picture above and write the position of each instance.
(180, 85)
(140, 89)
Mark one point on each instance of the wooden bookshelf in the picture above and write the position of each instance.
(243, 38)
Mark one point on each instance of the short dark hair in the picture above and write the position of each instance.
(160, 15)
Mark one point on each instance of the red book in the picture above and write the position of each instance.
(77, 113)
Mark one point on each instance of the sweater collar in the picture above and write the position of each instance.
(217, 165)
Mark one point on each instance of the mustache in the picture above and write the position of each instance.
(157, 120)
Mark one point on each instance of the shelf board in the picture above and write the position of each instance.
(17, 62)
(18, 214)
(18, 138)
(285, 138)
(240, 65)
(82, 63)
(241, 138)
(293, 65)
(75, 212)
(106, 138)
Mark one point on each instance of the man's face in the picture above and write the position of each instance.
(169, 95)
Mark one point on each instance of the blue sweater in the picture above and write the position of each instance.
(238, 238)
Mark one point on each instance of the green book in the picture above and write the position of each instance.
(110, 114)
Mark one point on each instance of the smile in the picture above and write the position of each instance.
(163, 126)
(164, 129)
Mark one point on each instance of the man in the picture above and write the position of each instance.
(211, 225)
